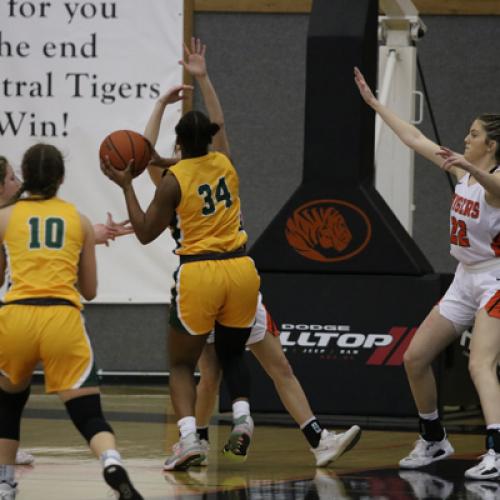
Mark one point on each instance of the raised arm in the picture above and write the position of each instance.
(152, 130)
(195, 64)
(409, 134)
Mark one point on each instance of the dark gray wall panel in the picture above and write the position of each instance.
(257, 63)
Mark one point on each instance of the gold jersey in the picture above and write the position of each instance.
(42, 242)
(208, 217)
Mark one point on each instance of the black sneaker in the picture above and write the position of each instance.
(117, 478)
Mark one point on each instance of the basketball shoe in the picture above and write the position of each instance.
(117, 478)
(426, 452)
(239, 440)
(332, 445)
(24, 458)
(487, 468)
(7, 490)
(186, 452)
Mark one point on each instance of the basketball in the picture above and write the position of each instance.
(121, 146)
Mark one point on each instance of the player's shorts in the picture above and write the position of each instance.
(263, 323)
(54, 335)
(473, 288)
(209, 291)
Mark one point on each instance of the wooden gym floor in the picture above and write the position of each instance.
(279, 466)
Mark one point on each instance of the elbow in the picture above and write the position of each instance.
(88, 291)
(89, 295)
(144, 239)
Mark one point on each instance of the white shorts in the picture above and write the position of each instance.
(472, 288)
(263, 323)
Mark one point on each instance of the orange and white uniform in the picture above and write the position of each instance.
(215, 281)
(475, 243)
(41, 317)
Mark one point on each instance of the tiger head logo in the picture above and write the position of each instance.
(319, 231)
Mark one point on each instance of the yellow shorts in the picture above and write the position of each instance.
(54, 335)
(207, 291)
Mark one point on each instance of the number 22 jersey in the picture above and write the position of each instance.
(474, 224)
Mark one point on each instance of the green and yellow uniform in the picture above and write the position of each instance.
(215, 280)
(41, 319)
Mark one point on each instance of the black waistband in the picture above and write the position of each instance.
(240, 252)
(39, 301)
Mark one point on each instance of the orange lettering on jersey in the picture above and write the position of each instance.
(475, 210)
(467, 208)
(463, 206)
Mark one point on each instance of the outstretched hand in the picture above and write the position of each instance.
(194, 62)
(363, 87)
(453, 159)
(111, 230)
(177, 93)
(119, 228)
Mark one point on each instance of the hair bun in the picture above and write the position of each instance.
(213, 129)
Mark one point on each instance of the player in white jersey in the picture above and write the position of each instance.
(473, 298)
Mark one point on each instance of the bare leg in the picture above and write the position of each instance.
(208, 386)
(272, 358)
(184, 350)
(8, 447)
(484, 356)
(432, 337)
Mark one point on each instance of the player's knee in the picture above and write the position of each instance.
(86, 414)
(413, 362)
(11, 409)
(209, 384)
(281, 371)
(479, 366)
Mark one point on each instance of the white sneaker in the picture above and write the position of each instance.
(487, 468)
(188, 451)
(205, 446)
(484, 490)
(426, 452)
(237, 445)
(7, 491)
(24, 458)
(332, 445)
(426, 485)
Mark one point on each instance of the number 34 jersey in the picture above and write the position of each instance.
(208, 217)
(42, 243)
(474, 224)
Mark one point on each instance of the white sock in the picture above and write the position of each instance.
(240, 408)
(308, 421)
(429, 416)
(186, 425)
(110, 457)
(493, 427)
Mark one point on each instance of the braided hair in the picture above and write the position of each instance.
(194, 134)
(43, 170)
(491, 124)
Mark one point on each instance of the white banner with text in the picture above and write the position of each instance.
(72, 72)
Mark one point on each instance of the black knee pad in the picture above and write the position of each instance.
(230, 341)
(11, 409)
(230, 349)
(86, 413)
